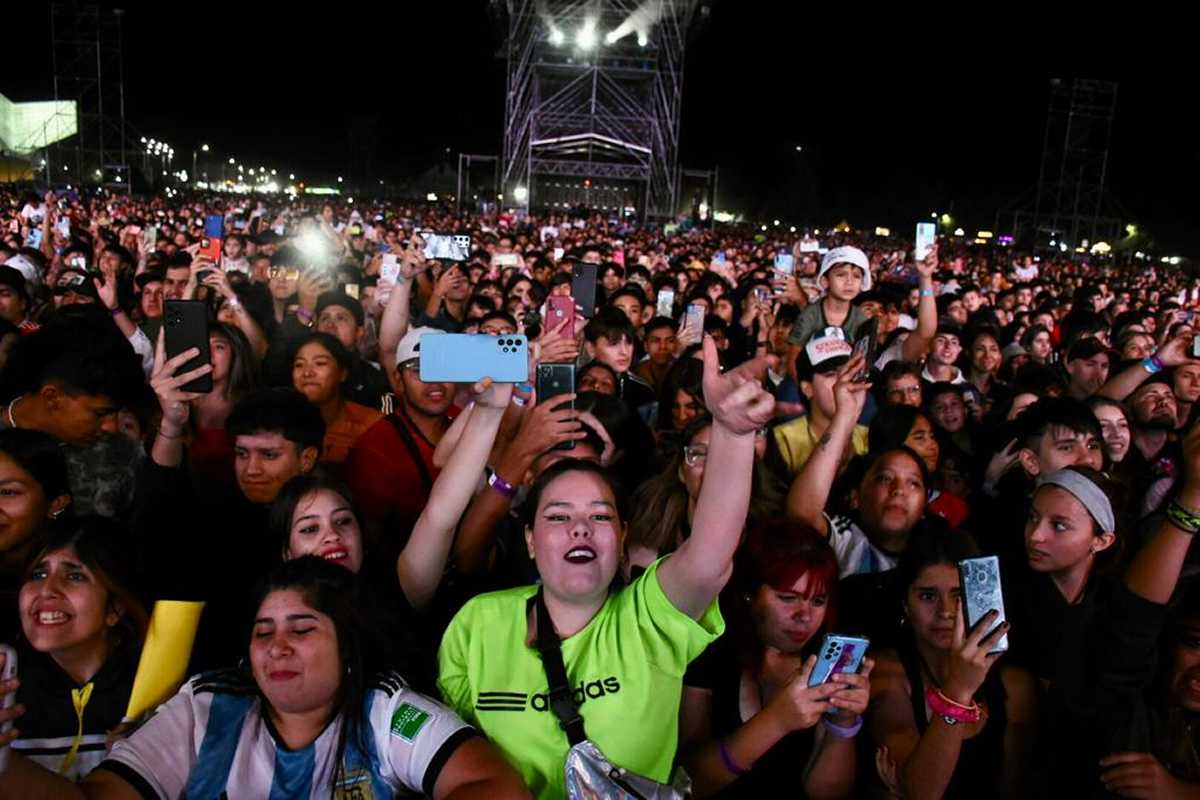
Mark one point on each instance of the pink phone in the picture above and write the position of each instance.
(560, 308)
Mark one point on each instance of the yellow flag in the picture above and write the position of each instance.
(165, 656)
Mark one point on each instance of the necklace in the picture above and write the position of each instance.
(12, 423)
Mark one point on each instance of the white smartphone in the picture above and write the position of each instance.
(926, 236)
(389, 270)
(665, 303)
(7, 672)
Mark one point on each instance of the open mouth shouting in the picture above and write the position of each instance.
(581, 554)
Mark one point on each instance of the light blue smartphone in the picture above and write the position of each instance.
(838, 655)
(469, 357)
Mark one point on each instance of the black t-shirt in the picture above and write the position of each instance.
(719, 670)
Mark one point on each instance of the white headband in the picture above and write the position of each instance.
(1086, 492)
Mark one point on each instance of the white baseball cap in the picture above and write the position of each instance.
(825, 350)
(847, 255)
(409, 348)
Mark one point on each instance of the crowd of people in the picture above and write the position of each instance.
(462, 590)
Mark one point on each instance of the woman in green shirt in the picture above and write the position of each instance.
(625, 649)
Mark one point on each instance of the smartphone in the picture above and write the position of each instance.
(665, 305)
(8, 672)
(214, 226)
(34, 239)
(981, 593)
(554, 380)
(558, 253)
(718, 257)
(785, 263)
(389, 269)
(351, 289)
(187, 327)
(469, 357)
(151, 236)
(507, 260)
(839, 655)
(63, 227)
(760, 294)
(694, 318)
(1196, 347)
(809, 245)
(926, 236)
(446, 246)
(583, 288)
(559, 308)
(865, 345)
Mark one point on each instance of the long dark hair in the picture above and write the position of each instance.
(244, 376)
(328, 589)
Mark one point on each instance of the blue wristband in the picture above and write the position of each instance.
(1152, 365)
(927, 293)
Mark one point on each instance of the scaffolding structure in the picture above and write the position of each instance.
(1070, 207)
(88, 70)
(592, 112)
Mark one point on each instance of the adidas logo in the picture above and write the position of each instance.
(517, 701)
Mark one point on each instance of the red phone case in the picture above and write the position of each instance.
(558, 309)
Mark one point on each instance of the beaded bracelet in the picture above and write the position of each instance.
(1182, 518)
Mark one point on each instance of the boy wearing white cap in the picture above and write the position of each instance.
(845, 273)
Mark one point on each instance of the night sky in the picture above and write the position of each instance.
(899, 116)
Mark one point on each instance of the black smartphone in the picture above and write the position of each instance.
(186, 323)
(865, 345)
(554, 380)
(583, 288)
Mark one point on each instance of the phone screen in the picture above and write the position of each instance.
(926, 236)
(785, 263)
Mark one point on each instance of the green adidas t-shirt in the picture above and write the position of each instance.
(626, 666)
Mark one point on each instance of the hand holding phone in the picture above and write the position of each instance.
(982, 596)
(8, 671)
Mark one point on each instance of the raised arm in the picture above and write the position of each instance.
(218, 281)
(543, 427)
(175, 403)
(423, 560)
(917, 344)
(810, 490)
(1155, 569)
(398, 313)
(1171, 354)
(698, 570)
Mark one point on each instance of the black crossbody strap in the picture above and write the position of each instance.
(414, 452)
(550, 649)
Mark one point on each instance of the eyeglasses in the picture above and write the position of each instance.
(695, 456)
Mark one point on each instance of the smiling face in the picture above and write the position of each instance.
(316, 374)
(323, 524)
(1184, 680)
(787, 620)
(949, 410)
(985, 355)
(64, 608)
(576, 538)
(294, 654)
(23, 505)
(1115, 430)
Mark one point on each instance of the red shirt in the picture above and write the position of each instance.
(388, 486)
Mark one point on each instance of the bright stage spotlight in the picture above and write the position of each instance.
(643, 40)
(586, 38)
(556, 37)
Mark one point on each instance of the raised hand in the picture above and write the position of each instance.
(175, 402)
(488, 394)
(737, 399)
(928, 265)
(971, 657)
(851, 702)
(849, 393)
(555, 347)
(311, 285)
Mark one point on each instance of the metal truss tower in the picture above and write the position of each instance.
(88, 69)
(1071, 204)
(593, 103)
